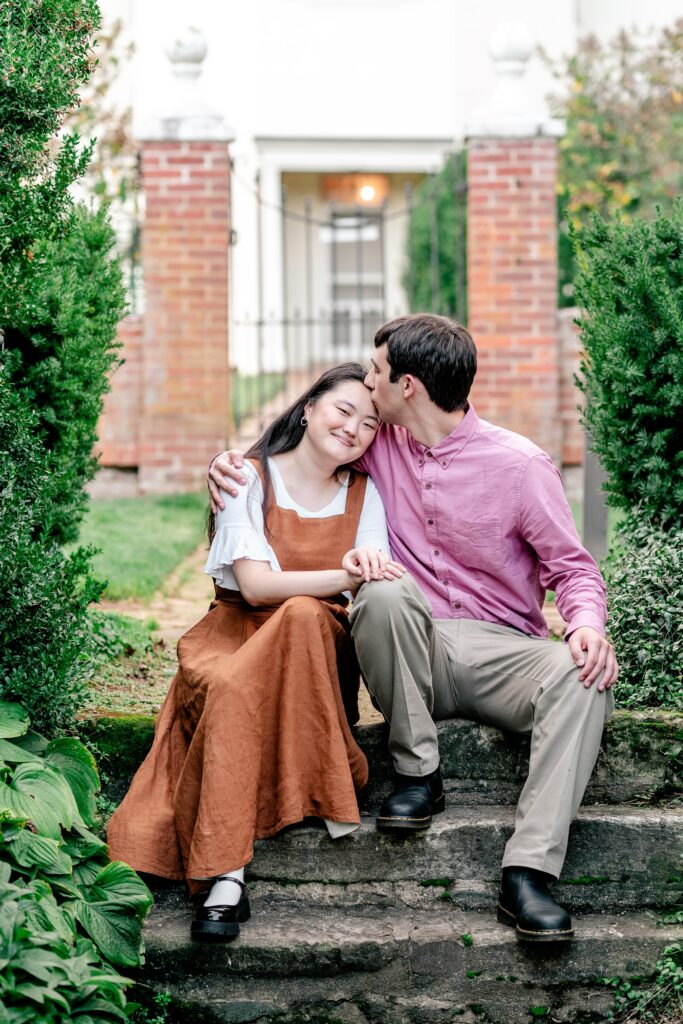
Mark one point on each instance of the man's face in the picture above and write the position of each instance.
(388, 397)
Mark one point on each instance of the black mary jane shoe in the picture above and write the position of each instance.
(525, 904)
(412, 802)
(216, 924)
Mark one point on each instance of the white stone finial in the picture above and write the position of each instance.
(186, 52)
(512, 111)
(185, 113)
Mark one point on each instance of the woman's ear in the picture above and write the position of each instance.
(308, 409)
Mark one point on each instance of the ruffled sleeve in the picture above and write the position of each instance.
(239, 532)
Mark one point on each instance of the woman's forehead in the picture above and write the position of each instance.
(355, 392)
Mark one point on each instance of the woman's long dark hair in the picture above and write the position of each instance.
(286, 431)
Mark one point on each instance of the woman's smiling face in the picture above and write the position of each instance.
(343, 421)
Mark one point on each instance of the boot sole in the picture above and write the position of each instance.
(219, 931)
(544, 935)
(412, 824)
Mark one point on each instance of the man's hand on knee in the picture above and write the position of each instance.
(223, 470)
(595, 656)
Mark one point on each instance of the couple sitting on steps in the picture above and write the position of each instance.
(446, 622)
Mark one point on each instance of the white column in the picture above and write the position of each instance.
(273, 339)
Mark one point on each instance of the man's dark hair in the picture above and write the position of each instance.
(436, 350)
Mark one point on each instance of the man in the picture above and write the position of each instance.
(478, 516)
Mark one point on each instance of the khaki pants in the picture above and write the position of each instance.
(419, 669)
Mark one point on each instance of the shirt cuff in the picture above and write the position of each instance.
(585, 619)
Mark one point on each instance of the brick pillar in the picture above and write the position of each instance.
(512, 254)
(186, 182)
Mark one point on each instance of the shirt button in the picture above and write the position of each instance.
(456, 604)
(436, 551)
(445, 582)
(430, 522)
(428, 487)
(428, 454)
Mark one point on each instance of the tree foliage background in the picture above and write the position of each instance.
(623, 148)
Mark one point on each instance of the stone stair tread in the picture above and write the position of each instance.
(299, 940)
(635, 845)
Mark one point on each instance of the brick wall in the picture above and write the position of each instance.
(512, 285)
(119, 424)
(185, 362)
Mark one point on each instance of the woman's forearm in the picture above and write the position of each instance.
(260, 585)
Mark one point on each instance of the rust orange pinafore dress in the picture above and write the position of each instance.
(254, 732)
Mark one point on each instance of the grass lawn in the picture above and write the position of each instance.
(142, 540)
(249, 393)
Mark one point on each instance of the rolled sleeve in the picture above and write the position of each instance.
(547, 524)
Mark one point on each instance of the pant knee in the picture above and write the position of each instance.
(379, 599)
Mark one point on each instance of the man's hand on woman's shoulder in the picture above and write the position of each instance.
(224, 472)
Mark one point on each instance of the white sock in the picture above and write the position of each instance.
(225, 893)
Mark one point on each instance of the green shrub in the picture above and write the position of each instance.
(60, 345)
(60, 289)
(44, 627)
(631, 289)
(70, 917)
(645, 597)
(437, 233)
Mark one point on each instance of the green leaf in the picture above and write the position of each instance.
(116, 934)
(11, 824)
(30, 850)
(77, 765)
(40, 793)
(32, 741)
(112, 915)
(118, 882)
(13, 754)
(82, 845)
(13, 720)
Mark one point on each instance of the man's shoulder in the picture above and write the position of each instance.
(508, 444)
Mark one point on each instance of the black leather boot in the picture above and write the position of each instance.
(526, 904)
(413, 802)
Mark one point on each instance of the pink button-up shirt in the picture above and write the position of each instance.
(482, 523)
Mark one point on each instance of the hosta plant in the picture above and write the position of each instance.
(69, 917)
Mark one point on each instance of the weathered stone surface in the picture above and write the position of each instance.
(636, 847)
(582, 895)
(641, 757)
(410, 966)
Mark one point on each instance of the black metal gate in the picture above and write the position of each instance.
(344, 274)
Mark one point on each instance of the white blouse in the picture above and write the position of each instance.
(240, 529)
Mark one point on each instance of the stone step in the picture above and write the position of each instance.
(634, 854)
(641, 758)
(364, 964)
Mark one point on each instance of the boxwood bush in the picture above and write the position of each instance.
(645, 596)
(44, 629)
(630, 290)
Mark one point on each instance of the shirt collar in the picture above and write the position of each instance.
(449, 446)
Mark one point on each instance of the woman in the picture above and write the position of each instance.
(254, 733)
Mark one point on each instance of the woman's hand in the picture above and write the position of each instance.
(365, 564)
